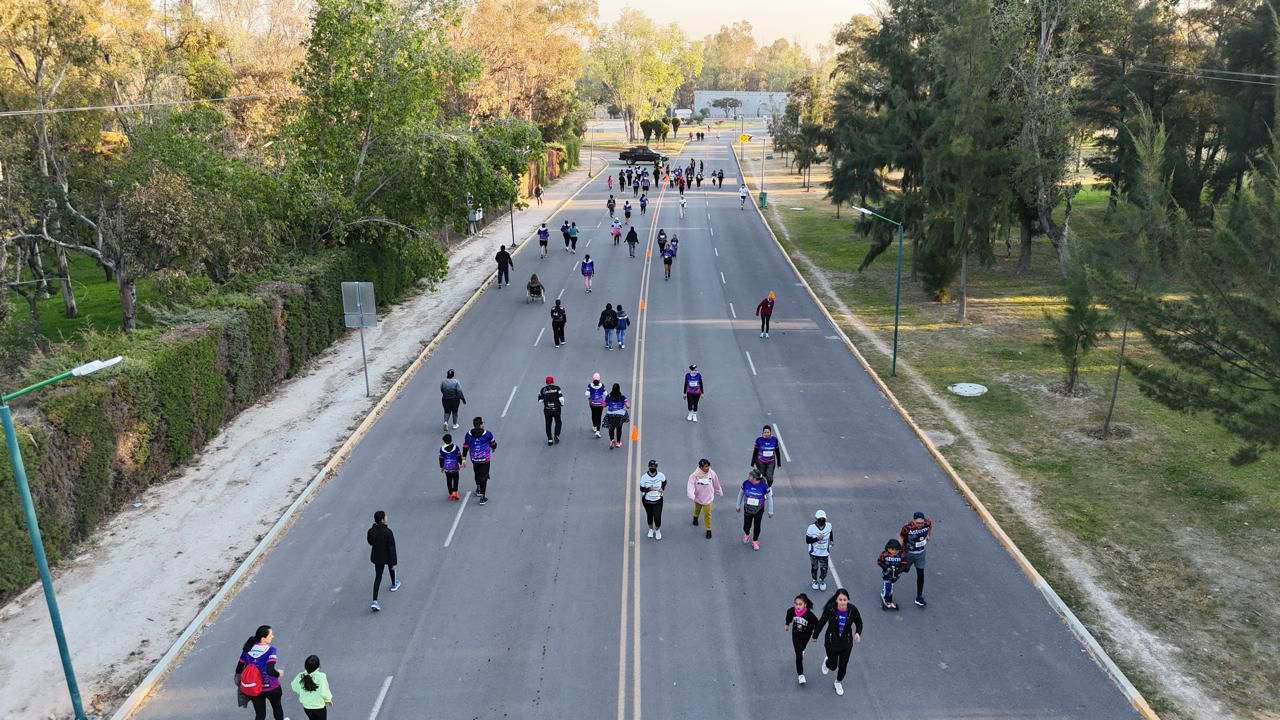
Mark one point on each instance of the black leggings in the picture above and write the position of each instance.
(552, 418)
(596, 413)
(764, 323)
(320, 714)
(557, 333)
(260, 704)
(751, 523)
(377, 577)
(450, 409)
(692, 401)
(838, 659)
(481, 470)
(615, 427)
(653, 513)
(451, 480)
(798, 641)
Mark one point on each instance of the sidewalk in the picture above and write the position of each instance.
(145, 574)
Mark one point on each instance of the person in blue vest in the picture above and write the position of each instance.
(479, 445)
(694, 389)
(588, 270)
(451, 462)
(764, 456)
(616, 406)
(595, 400)
(544, 237)
(756, 498)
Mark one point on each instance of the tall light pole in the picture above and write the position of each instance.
(33, 527)
(897, 292)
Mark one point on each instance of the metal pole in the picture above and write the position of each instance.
(364, 359)
(897, 307)
(762, 151)
(42, 563)
(513, 223)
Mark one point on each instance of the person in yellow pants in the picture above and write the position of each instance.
(704, 486)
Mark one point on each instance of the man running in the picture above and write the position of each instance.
(683, 202)
(544, 236)
(819, 536)
(564, 230)
(765, 311)
(552, 399)
(764, 457)
(914, 536)
(632, 240)
(558, 319)
(742, 197)
(595, 400)
(479, 445)
(505, 265)
(693, 391)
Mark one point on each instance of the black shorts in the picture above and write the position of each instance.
(667, 260)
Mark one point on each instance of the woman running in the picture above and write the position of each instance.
(615, 414)
(312, 688)
(653, 485)
(843, 625)
(801, 622)
(262, 655)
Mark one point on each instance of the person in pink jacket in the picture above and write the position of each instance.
(704, 486)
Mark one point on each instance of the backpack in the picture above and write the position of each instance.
(610, 318)
(250, 680)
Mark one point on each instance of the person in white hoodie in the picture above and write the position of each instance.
(819, 536)
(653, 485)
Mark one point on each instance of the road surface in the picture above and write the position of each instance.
(549, 602)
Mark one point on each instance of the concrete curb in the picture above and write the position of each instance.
(1077, 628)
(138, 698)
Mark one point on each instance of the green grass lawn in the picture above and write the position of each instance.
(97, 302)
(1191, 543)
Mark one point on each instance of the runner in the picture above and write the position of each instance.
(558, 319)
(595, 400)
(644, 203)
(564, 230)
(544, 236)
(552, 399)
(479, 445)
(653, 485)
(312, 687)
(616, 413)
(892, 564)
(819, 536)
(683, 201)
(757, 498)
(505, 264)
(635, 187)
(698, 180)
(843, 625)
(694, 389)
(662, 240)
(765, 311)
(615, 230)
(632, 240)
(624, 322)
(588, 270)
(382, 553)
(611, 204)
(451, 463)
(764, 456)
(537, 194)
(573, 237)
(626, 210)
(800, 622)
(450, 395)
(914, 536)
(668, 256)
(742, 197)
(675, 245)
(262, 655)
(704, 486)
(608, 322)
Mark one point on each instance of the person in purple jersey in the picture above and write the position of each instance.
(479, 445)
(588, 271)
(694, 389)
(595, 399)
(843, 625)
(259, 652)
(764, 456)
(544, 237)
(451, 462)
(756, 498)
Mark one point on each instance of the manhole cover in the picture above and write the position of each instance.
(967, 389)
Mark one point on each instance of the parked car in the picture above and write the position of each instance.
(642, 153)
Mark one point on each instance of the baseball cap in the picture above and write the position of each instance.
(820, 514)
(918, 515)
(550, 379)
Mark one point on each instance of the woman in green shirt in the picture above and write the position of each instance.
(312, 688)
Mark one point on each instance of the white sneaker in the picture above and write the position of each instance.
(839, 688)
(814, 584)
(689, 417)
(650, 532)
(825, 669)
(695, 417)
(597, 433)
(446, 425)
(657, 534)
(822, 585)
(761, 334)
(455, 426)
(800, 679)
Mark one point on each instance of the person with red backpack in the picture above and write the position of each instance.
(258, 674)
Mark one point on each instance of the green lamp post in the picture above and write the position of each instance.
(897, 293)
(33, 529)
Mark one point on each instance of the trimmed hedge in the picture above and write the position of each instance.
(92, 445)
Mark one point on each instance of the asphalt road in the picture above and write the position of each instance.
(550, 603)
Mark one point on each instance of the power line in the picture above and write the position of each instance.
(131, 106)
(1181, 68)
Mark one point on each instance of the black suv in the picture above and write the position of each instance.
(641, 153)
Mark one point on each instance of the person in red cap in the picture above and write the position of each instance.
(552, 399)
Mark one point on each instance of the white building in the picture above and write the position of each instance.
(754, 104)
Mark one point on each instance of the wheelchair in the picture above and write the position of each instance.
(538, 294)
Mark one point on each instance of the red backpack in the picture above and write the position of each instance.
(250, 680)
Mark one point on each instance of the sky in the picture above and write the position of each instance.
(809, 21)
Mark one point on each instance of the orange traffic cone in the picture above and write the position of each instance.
(635, 434)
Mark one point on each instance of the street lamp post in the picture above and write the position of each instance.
(33, 528)
(897, 292)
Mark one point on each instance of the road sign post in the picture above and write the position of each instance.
(359, 310)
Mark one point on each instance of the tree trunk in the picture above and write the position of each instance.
(109, 273)
(128, 301)
(1024, 247)
(963, 300)
(1115, 382)
(37, 331)
(64, 273)
(35, 260)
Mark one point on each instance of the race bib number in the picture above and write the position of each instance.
(653, 496)
(766, 454)
(753, 501)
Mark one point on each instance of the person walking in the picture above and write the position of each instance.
(800, 622)
(537, 194)
(564, 231)
(312, 687)
(662, 240)
(611, 204)
(843, 625)
(624, 322)
(756, 498)
(451, 462)
(505, 265)
(382, 553)
(914, 537)
(765, 311)
(261, 684)
(668, 257)
(588, 270)
(451, 396)
(609, 322)
(764, 455)
(544, 237)
(694, 389)
(644, 203)
(595, 400)
(704, 486)
(558, 319)
(479, 445)
(632, 240)
(573, 237)
(892, 564)
(626, 210)
(683, 202)
(609, 182)
(616, 412)
(552, 399)
(653, 485)
(819, 536)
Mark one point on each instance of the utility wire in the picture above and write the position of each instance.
(131, 106)
(1193, 74)
(1181, 68)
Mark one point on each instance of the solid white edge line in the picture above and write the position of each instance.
(753, 372)
(540, 332)
(722, 280)
(382, 695)
(510, 397)
(733, 312)
(457, 517)
(777, 431)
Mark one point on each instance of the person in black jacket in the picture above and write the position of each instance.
(382, 554)
(505, 264)
(558, 319)
(632, 240)
(552, 399)
(800, 621)
(608, 322)
(843, 625)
